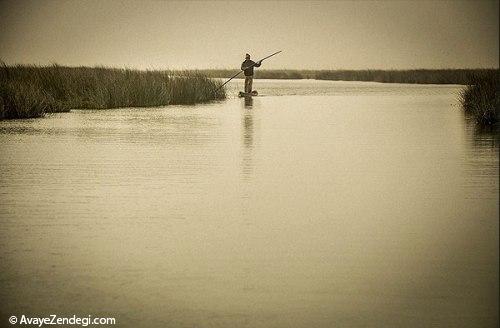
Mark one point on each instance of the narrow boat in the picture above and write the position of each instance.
(248, 94)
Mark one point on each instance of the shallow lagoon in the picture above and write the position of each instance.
(317, 204)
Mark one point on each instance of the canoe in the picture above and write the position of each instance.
(246, 94)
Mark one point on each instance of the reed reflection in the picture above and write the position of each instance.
(482, 160)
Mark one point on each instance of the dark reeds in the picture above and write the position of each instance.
(480, 99)
(30, 91)
(416, 76)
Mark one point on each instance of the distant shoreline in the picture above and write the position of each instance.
(416, 76)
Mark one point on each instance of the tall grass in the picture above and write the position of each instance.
(31, 91)
(481, 99)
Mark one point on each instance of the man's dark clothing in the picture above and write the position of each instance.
(248, 63)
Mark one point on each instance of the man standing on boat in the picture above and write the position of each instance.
(247, 67)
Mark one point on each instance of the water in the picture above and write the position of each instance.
(319, 204)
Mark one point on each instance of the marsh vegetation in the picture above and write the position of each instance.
(480, 99)
(30, 91)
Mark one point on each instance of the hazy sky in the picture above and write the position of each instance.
(315, 35)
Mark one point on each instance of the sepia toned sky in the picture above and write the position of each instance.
(312, 35)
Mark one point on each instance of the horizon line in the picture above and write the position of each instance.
(3, 63)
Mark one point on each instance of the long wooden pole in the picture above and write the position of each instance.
(277, 52)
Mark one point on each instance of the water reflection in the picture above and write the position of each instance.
(248, 102)
(484, 137)
(247, 139)
(482, 160)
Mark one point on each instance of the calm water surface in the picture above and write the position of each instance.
(319, 204)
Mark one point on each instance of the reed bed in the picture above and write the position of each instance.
(30, 91)
(480, 99)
